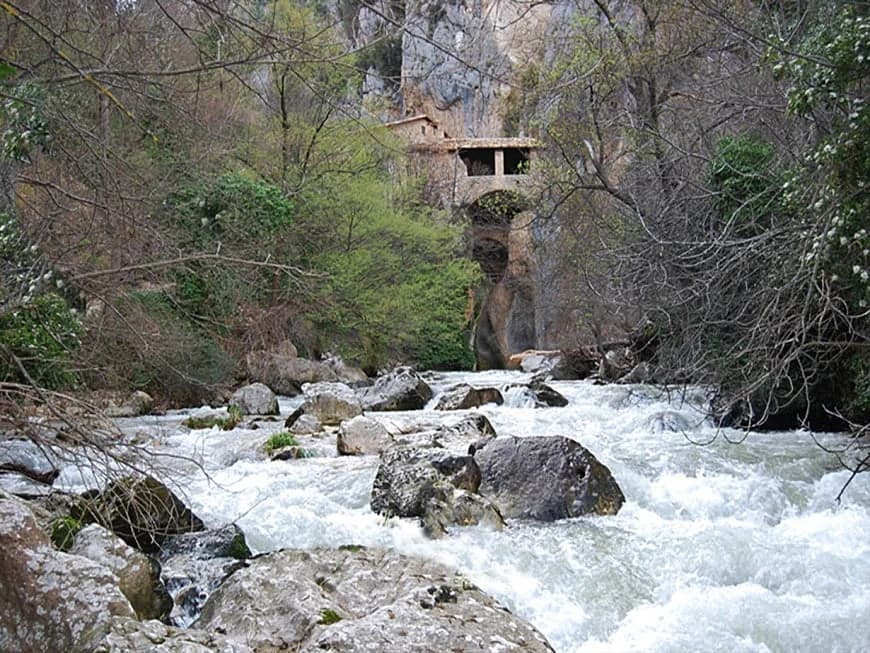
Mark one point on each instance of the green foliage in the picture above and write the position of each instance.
(329, 617)
(745, 181)
(234, 209)
(24, 126)
(43, 334)
(63, 531)
(280, 440)
(828, 71)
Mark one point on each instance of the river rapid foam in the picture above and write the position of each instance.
(721, 547)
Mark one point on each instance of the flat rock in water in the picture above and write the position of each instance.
(545, 478)
(357, 599)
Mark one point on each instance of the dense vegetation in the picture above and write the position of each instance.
(183, 183)
(210, 188)
(709, 161)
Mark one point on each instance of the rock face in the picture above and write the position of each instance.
(138, 576)
(361, 599)
(141, 511)
(401, 389)
(464, 396)
(124, 635)
(545, 478)
(50, 599)
(28, 459)
(331, 402)
(362, 436)
(255, 399)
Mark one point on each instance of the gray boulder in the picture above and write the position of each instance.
(137, 403)
(465, 433)
(138, 575)
(306, 425)
(331, 403)
(545, 478)
(50, 599)
(464, 396)
(407, 477)
(286, 374)
(141, 511)
(362, 436)
(124, 635)
(401, 389)
(358, 599)
(255, 399)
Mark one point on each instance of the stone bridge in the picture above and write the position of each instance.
(490, 179)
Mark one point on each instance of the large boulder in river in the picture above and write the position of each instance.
(285, 373)
(460, 436)
(464, 396)
(50, 599)
(362, 436)
(401, 389)
(331, 403)
(255, 399)
(357, 600)
(141, 511)
(407, 477)
(545, 478)
(138, 575)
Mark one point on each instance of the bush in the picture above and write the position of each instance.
(280, 440)
(43, 334)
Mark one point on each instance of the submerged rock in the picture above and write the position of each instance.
(464, 396)
(331, 403)
(138, 575)
(50, 599)
(545, 478)
(359, 599)
(255, 399)
(401, 389)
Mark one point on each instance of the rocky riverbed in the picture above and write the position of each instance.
(694, 548)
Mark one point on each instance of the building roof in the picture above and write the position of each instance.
(411, 119)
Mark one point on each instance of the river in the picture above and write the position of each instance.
(721, 547)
